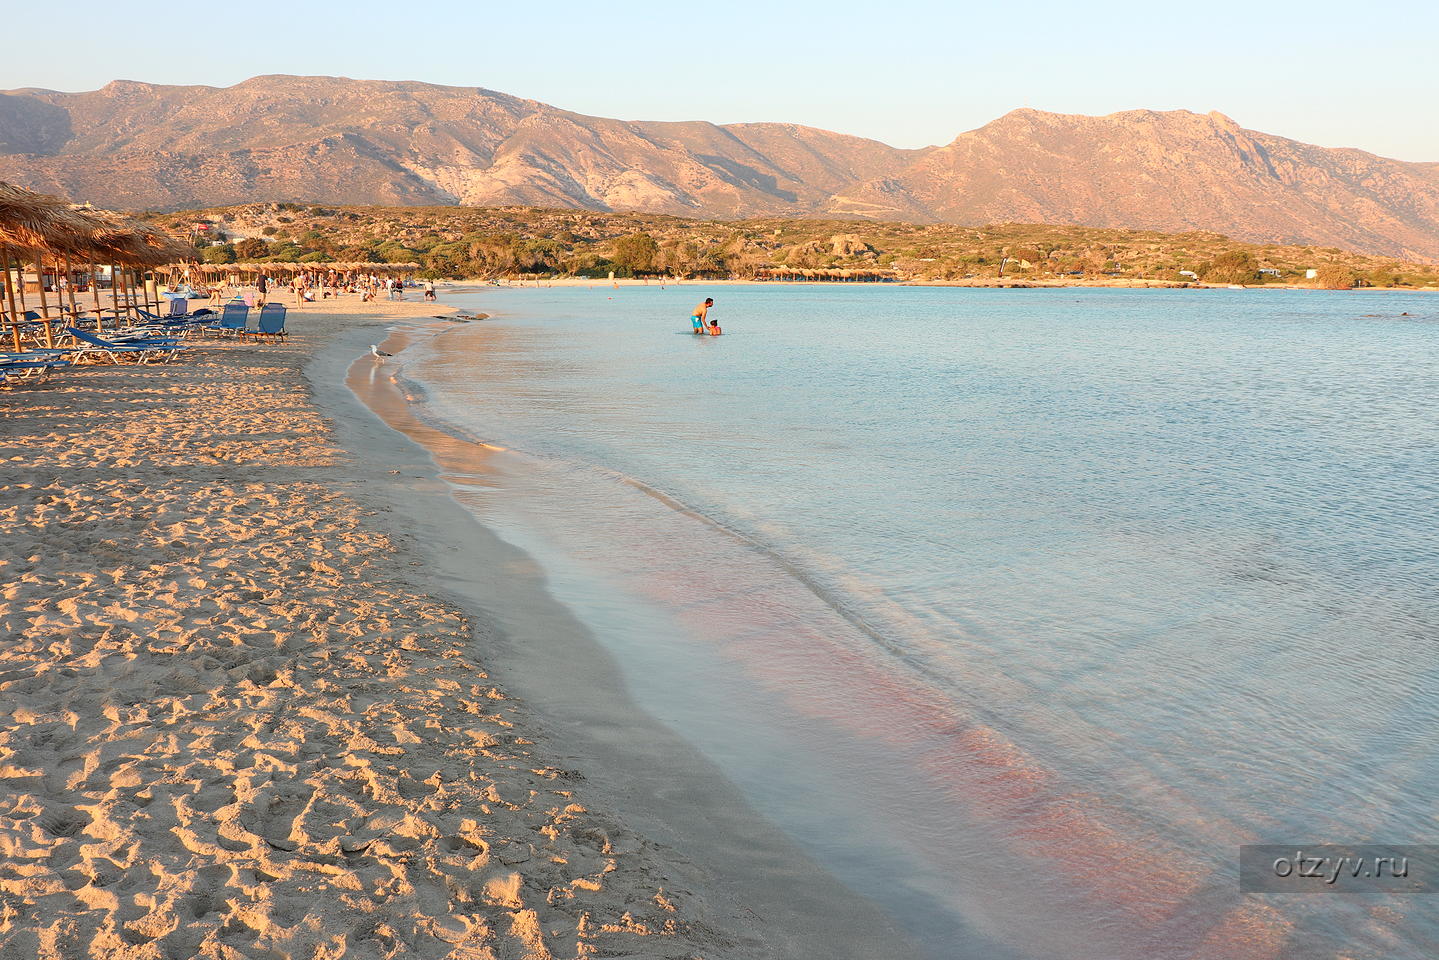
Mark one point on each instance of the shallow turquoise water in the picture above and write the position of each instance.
(1023, 609)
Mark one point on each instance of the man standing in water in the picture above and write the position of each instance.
(697, 319)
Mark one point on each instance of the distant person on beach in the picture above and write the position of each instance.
(697, 319)
(262, 287)
(715, 330)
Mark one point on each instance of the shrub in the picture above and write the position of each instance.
(252, 249)
(221, 254)
(1334, 276)
(1235, 266)
(636, 253)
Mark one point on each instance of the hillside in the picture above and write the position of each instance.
(139, 145)
(339, 141)
(1163, 171)
(466, 242)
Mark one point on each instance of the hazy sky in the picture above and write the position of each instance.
(914, 73)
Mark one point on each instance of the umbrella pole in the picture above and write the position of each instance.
(20, 281)
(59, 305)
(10, 295)
(70, 290)
(44, 303)
(95, 293)
(115, 292)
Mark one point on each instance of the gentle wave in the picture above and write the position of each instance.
(1116, 711)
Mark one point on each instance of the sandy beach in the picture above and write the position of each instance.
(231, 728)
(235, 724)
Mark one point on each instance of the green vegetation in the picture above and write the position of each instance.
(486, 243)
(224, 253)
(1232, 266)
(1339, 276)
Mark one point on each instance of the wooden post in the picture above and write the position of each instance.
(115, 292)
(70, 290)
(20, 282)
(10, 295)
(40, 276)
(95, 293)
(44, 304)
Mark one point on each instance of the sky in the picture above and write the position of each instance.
(911, 74)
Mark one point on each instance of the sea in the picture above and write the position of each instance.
(1021, 610)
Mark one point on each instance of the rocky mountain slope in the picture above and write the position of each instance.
(1163, 171)
(334, 140)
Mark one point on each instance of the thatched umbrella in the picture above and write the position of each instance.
(30, 221)
(45, 224)
(129, 243)
(27, 219)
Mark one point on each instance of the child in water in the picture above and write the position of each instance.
(715, 330)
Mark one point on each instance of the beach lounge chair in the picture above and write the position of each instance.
(232, 320)
(175, 326)
(37, 364)
(140, 350)
(144, 336)
(272, 321)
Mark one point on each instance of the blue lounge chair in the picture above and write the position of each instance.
(37, 364)
(272, 321)
(144, 336)
(232, 320)
(174, 326)
(143, 351)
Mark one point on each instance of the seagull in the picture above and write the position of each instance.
(378, 352)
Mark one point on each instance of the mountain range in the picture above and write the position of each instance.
(340, 141)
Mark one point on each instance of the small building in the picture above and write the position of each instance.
(1311, 274)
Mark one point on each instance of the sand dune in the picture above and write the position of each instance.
(231, 727)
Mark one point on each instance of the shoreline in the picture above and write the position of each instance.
(226, 597)
(987, 283)
(746, 868)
